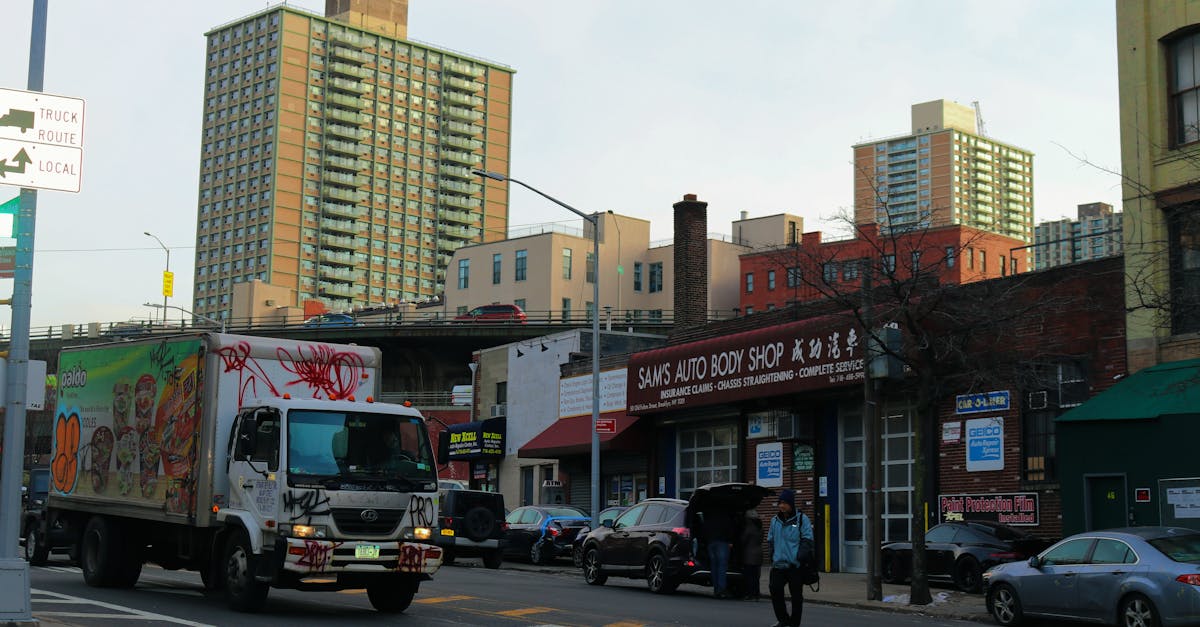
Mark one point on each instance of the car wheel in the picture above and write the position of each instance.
(1006, 607)
(36, 550)
(392, 595)
(244, 592)
(536, 554)
(492, 559)
(591, 568)
(967, 574)
(1137, 611)
(657, 579)
(891, 568)
(577, 556)
(479, 523)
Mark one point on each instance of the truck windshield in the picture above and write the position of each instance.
(356, 446)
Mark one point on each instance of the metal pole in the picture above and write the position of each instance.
(595, 370)
(167, 270)
(14, 571)
(871, 441)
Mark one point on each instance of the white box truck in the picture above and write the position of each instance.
(258, 462)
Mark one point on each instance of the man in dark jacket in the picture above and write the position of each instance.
(752, 557)
(719, 534)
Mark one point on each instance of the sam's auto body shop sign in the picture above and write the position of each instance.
(784, 359)
(1007, 509)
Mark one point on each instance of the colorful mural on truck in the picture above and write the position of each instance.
(127, 423)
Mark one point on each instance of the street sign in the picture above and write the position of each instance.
(41, 140)
(11, 207)
(168, 283)
(606, 425)
(8, 261)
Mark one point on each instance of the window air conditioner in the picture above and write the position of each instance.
(499, 410)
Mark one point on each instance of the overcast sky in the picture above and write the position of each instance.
(618, 105)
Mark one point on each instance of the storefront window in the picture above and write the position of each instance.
(707, 455)
(625, 490)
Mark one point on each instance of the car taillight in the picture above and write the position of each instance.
(447, 522)
(504, 526)
(683, 532)
(1192, 579)
(553, 531)
(1005, 556)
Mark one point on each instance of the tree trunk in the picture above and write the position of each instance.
(923, 417)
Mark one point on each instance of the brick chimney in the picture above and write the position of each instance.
(691, 262)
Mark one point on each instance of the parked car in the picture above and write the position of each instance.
(33, 513)
(472, 525)
(493, 313)
(331, 320)
(1137, 576)
(577, 545)
(658, 539)
(960, 552)
(541, 533)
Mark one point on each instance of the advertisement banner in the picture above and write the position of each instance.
(985, 444)
(575, 394)
(769, 464)
(127, 424)
(477, 440)
(1007, 509)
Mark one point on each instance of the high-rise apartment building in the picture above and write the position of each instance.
(944, 172)
(336, 157)
(1095, 233)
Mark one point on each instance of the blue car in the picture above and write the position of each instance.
(543, 533)
(1133, 577)
(330, 320)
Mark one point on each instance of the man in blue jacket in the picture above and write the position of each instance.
(789, 529)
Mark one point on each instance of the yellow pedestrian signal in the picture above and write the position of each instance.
(168, 283)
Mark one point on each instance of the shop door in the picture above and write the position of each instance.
(897, 453)
(707, 455)
(853, 492)
(1106, 502)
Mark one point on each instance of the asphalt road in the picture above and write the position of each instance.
(458, 595)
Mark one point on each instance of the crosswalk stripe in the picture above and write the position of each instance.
(457, 597)
(526, 611)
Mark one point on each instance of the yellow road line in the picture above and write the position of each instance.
(360, 591)
(525, 611)
(626, 623)
(457, 597)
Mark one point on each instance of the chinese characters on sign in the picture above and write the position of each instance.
(812, 354)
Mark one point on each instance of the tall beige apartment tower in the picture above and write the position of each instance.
(944, 172)
(336, 157)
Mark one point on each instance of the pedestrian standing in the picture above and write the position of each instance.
(752, 556)
(789, 530)
(718, 532)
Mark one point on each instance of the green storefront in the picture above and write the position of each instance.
(1131, 455)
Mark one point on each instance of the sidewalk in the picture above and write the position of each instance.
(850, 590)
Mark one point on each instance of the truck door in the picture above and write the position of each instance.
(254, 461)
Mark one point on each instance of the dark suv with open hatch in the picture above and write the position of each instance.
(472, 525)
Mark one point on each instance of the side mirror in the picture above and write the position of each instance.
(443, 452)
(1035, 563)
(610, 523)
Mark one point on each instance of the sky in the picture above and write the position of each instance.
(621, 105)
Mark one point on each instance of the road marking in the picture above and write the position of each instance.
(526, 611)
(626, 623)
(457, 597)
(44, 615)
(63, 569)
(360, 591)
(132, 613)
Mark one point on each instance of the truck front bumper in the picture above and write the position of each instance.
(307, 557)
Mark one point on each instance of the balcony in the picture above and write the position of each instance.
(341, 241)
(342, 100)
(344, 132)
(464, 158)
(463, 188)
(463, 84)
(348, 54)
(460, 202)
(449, 216)
(455, 171)
(470, 145)
(352, 71)
(336, 258)
(350, 87)
(461, 113)
(345, 148)
(348, 38)
(462, 69)
(334, 273)
(464, 99)
(348, 117)
(334, 177)
(327, 288)
(343, 211)
(460, 128)
(459, 232)
(342, 163)
(343, 226)
(337, 193)
(449, 245)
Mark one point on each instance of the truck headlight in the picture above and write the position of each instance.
(304, 531)
(422, 533)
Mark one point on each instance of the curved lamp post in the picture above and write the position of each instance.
(165, 271)
(595, 220)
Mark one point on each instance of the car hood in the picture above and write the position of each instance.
(737, 497)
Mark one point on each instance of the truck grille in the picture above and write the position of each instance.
(350, 521)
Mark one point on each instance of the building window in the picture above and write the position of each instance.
(656, 277)
(1013, 263)
(707, 455)
(520, 302)
(566, 263)
(970, 258)
(793, 233)
(1063, 386)
(519, 269)
(637, 276)
(496, 263)
(889, 264)
(1003, 267)
(1183, 226)
(983, 261)
(850, 271)
(949, 256)
(829, 272)
(793, 277)
(566, 310)
(591, 268)
(916, 261)
(749, 282)
(464, 273)
(1185, 89)
(770, 279)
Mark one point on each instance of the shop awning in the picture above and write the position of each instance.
(573, 436)
(1163, 390)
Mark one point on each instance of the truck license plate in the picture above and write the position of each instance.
(366, 551)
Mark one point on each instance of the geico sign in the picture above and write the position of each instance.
(979, 432)
(770, 454)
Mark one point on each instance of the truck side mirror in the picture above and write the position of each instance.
(443, 453)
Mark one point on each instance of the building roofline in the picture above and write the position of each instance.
(872, 142)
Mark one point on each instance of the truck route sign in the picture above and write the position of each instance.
(41, 140)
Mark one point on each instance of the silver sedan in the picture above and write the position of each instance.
(1133, 577)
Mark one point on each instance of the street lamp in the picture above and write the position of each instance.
(168, 269)
(595, 220)
(190, 313)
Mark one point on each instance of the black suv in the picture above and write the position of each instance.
(659, 540)
(472, 526)
(33, 513)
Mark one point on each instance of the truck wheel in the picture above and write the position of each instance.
(392, 595)
(37, 553)
(492, 559)
(243, 591)
(99, 553)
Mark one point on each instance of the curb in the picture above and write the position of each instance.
(898, 608)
